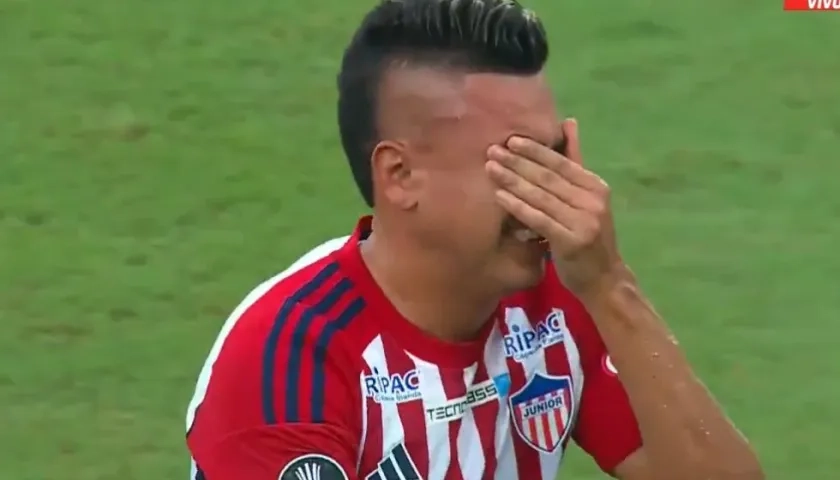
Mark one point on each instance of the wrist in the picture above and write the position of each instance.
(610, 287)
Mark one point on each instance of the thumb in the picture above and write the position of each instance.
(570, 131)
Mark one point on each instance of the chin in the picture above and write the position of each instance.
(522, 277)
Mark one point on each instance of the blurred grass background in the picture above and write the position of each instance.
(159, 158)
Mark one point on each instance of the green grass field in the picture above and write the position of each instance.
(158, 158)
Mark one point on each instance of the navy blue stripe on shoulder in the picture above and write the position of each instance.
(302, 328)
(284, 316)
(319, 377)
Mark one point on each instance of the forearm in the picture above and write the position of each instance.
(686, 434)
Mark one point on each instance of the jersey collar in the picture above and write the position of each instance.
(409, 336)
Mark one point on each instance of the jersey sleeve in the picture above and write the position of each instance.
(606, 426)
(282, 403)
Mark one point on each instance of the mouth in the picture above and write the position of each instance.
(526, 235)
(522, 234)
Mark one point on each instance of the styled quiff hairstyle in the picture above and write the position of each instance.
(473, 36)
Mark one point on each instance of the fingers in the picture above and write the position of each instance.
(533, 218)
(543, 199)
(550, 192)
(576, 230)
(571, 170)
(556, 184)
(509, 167)
(570, 133)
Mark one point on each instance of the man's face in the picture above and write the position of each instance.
(457, 119)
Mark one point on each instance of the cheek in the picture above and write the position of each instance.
(471, 198)
(459, 210)
(461, 190)
(479, 192)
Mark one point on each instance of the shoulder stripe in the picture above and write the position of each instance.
(284, 317)
(294, 368)
(319, 376)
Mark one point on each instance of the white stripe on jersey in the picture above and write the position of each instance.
(363, 437)
(496, 363)
(437, 433)
(470, 452)
(392, 427)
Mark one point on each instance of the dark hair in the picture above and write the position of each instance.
(469, 35)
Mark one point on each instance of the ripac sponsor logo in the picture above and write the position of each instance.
(395, 387)
(524, 339)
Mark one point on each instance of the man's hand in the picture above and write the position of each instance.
(554, 195)
(685, 434)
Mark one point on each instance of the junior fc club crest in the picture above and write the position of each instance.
(543, 410)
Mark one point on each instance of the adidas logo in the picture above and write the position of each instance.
(396, 465)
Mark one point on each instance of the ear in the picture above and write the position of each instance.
(392, 172)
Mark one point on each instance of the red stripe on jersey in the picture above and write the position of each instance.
(527, 458)
(454, 387)
(485, 422)
(558, 363)
(555, 417)
(412, 415)
(372, 448)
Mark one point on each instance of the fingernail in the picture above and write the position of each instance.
(515, 142)
(495, 151)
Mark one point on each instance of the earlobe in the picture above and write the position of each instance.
(391, 169)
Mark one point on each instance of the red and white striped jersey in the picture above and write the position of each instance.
(316, 376)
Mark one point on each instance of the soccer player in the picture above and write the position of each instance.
(482, 318)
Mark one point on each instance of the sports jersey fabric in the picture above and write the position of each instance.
(316, 376)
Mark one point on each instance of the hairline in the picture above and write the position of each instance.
(457, 74)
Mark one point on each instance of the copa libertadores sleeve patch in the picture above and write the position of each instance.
(313, 466)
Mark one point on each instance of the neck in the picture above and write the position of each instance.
(426, 289)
